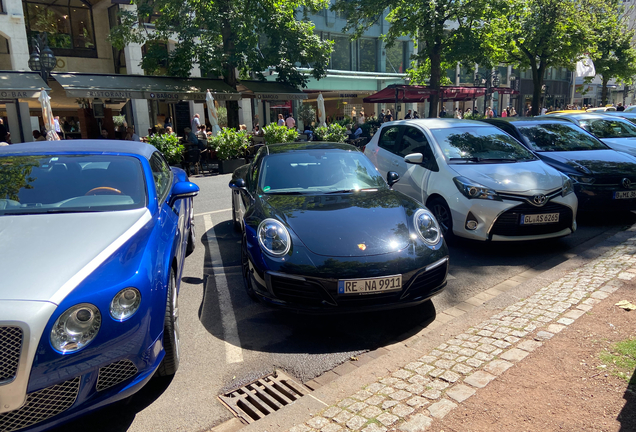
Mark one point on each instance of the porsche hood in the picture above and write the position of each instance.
(348, 224)
(44, 256)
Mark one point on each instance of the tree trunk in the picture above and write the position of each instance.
(604, 92)
(436, 74)
(229, 68)
(537, 80)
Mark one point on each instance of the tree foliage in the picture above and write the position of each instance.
(539, 34)
(444, 31)
(227, 38)
(615, 58)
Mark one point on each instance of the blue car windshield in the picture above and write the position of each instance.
(70, 184)
(480, 145)
(318, 171)
(558, 137)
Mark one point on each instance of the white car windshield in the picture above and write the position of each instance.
(318, 171)
(480, 145)
(70, 184)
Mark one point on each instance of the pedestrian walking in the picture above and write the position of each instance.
(290, 122)
(281, 120)
(415, 115)
(381, 116)
(195, 123)
(442, 113)
(489, 113)
(408, 115)
(388, 117)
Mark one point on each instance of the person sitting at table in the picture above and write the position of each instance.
(357, 133)
(201, 135)
(258, 131)
(190, 137)
(309, 132)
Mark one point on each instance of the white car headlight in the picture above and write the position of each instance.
(568, 186)
(472, 190)
(427, 227)
(273, 237)
(76, 327)
(125, 303)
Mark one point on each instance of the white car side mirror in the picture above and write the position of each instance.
(414, 158)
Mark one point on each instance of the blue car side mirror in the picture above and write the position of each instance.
(182, 190)
(392, 177)
(238, 183)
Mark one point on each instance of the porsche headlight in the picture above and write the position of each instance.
(472, 190)
(125, 304)
(76, 327)
(568, 186)
(427, 227)
(273, 237)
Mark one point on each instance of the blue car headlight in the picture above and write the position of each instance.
(125, 303)
(427, 227)
(273, 237)
(472, 190)
(76, 327)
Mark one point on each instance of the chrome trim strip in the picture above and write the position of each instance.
(286, 276)
(436, 264)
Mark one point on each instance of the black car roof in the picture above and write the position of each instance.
(290, 147)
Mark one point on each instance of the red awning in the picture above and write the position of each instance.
(412, 94)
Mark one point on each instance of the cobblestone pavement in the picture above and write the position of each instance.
(412, 397)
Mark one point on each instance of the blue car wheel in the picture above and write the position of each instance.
(170, 362)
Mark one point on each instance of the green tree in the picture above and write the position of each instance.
(445, 32)
(615, 58)
(539, 34)
(229, 38)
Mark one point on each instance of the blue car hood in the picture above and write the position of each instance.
(346, 225)
(44, 257)
(595, 162)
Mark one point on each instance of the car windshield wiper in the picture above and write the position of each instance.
(479, 159)
(47, 211)
(351, 190)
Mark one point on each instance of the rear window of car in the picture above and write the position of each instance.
(70, 184)
(559, 137)
(480, 143)
(609, 128)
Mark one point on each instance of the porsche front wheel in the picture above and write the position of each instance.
(247, 277)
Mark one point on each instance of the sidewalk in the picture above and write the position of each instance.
(419, 381)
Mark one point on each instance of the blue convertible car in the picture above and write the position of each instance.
(93, 237)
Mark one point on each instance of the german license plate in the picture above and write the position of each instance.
(370, 286)
(625, 194)
(545, 218)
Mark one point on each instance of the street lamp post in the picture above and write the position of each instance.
(489, 80)
(42, 59)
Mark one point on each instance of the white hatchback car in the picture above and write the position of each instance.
(478, 181)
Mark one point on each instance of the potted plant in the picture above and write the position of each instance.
(332, 133)
(230, 146)
(275, 134)
(169, 146)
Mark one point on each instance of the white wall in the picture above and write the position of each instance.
(13, 28)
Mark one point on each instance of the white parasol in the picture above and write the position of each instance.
(47, 116)
(214, 117)
(321, 110)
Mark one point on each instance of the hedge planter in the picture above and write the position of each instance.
(228, 166)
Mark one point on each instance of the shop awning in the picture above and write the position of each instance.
(143, 87)
(270, 91)
(21, 85)
(413, 94)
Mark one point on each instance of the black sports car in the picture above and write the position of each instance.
(604, 179)
(323, 231)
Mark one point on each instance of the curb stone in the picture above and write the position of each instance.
(456, 369)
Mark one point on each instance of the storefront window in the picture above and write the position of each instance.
(4, 45)
(68, 24)
(368, 55)
(341, 55)
(395, 58)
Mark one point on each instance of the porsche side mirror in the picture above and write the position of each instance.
(182, 190)
(238, 183)
(414, 158)
(392, 177)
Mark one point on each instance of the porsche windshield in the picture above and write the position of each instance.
(480, 145)
(318, 171)
(70, 184)
(559, 137)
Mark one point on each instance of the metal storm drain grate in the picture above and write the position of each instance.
(262, 397)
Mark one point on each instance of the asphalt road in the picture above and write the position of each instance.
(228, 340)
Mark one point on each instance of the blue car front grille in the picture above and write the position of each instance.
(10, 348)
(115, 373)
(41, 405)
